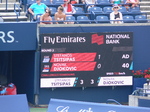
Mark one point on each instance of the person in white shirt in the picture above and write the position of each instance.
(116, 15)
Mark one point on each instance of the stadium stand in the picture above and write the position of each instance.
(53, 10)
(144, 7)
(107, 9)
(123, 10)
(141, 19)
(71, 19)
(103, 8)
(58, 2)
(102, 19)
(83, 20)
(47, 2)
(106, 2)
(128, 19)
(135, 10)
(79, 10)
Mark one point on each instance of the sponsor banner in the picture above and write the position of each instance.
(85, 66)
(72, 57)
(59, 105)
(14, 36)
(115, 81)
(57, 82)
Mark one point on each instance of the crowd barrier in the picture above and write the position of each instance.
(14, 103)
(59, 105)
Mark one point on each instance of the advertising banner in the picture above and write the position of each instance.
(86, 59)
(59, 105)
(18, 36)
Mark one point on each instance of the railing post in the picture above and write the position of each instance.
(6, 4)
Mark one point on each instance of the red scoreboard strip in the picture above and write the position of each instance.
(72, 57)
(83, 66)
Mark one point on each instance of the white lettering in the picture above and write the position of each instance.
(62, 109)
(59, 39)
(84, 110)
(2, 36)
(65, 68)
(112, 42)
(113, 82)
(125, 56)
(118, 36)
(5, 39)
(10, 36)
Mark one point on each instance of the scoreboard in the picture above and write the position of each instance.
(86, 59)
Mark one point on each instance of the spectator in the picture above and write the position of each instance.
(46, 17)
(60, 16)
(68, 8)
(37, 8)
(88, 2)
(133, 3)
(74, 1)
(117, 1)
(115, 15)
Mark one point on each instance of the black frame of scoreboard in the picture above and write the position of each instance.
(86, 59)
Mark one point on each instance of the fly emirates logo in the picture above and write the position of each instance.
(68, 39)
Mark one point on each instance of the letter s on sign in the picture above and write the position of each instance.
(62, 109)
(10, 36)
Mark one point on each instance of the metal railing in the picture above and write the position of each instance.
(17, 11)
(113, 101)
(6, 6)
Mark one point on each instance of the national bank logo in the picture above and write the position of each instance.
(7, 37)
(109, 38)
(97, 39)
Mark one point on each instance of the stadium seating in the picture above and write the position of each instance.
(58, 1)
(70, 19)
(103, 2)
(53, 10)
(128, 19)
(123, 10)
(53, 19)
(46, 2)
(29, 2)
(107, 9)
(95, 9)
(102, 19)
(83, 20)
(141, 19)
(79, 10)
(135, 10)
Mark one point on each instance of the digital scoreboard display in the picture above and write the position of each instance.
(86, 59)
